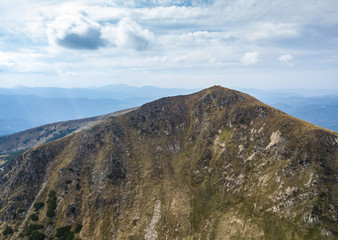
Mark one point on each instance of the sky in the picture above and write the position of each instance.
(170, 43)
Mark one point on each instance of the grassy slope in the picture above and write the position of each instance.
(194, 167)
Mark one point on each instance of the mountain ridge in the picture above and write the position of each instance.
(39, 106)
(217, 164)
(48, 132)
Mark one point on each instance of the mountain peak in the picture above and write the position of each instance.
(215, 164)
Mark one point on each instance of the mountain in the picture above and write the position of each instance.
(217, 164)
(16, 143)
(311, 106)
(11, 125)
(116, 92)
(23, 108)
(323, 115)
(21, 112)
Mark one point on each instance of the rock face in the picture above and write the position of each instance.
(217, 164)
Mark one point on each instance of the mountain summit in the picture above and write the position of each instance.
(217, 164)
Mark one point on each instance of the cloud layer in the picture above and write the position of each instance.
(142, 42)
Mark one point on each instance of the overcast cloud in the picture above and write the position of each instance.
(169, 43)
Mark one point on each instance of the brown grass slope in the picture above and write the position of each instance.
(35, 136)
(217, 164)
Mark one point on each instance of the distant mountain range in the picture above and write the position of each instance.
(13, 144)
(319, 110)
(117, 92)
(20, 111)
(23, 107)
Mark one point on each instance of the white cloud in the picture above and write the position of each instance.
(6, 61)
(266, 30)
(250, 58)
(173, 13)
(72, 74)
(130, 35)
(152, 3)
(76, 32)
(309, 11)
(199, 41)
(24, 61)
(286, 59)
(160, 14)
(205, 36)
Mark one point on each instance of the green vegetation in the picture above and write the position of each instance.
(10, 156)
(7, 230)
(31, 228)
(225, 135)
(71, 209)
(36, 235)
(51, 204)
(78, 228)
(64, 233)
(61, 134)
(34, 217)
(38, 205)
(21, 210)
(204, 204)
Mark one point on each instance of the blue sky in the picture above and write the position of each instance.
(170, 43)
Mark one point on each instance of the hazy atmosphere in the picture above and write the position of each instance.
(186, 44)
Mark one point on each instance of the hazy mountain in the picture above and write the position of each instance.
(320, 114)
(19, 112)
(10, 126)
(282, 93)
(23, 107)
(322, 111)
(217, 164)
(116, 92)
(35, 136)
(315, 108)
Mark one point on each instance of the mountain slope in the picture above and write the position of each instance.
(33, 111)
(24, 107)
(35, 136)
(322, 115)
(217, 164)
